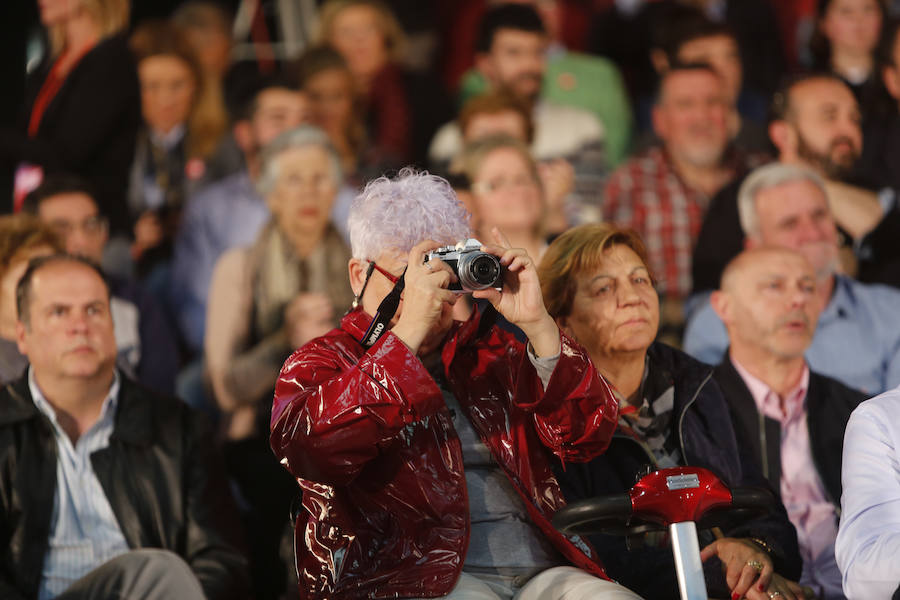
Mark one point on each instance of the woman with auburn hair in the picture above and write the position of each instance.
(597, 286)
(180, 146)
(81, 107)
(402, 109)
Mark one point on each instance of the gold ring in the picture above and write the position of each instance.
(774, 594)
(755, 565)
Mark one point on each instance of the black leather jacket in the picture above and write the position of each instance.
(160, 474)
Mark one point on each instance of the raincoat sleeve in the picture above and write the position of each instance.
(337, 406)
(575, 416)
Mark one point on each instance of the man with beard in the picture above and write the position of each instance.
(511, 55)
(662, 193)
(815, 124)
(789, 418)
(858, 335)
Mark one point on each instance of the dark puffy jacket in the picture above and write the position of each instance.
(159, 473)
(706, 439)
(372, 444)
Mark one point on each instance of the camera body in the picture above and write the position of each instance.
(474, 269)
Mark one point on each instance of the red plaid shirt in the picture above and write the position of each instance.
(647, 195)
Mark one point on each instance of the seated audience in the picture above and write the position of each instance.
(507, 193)
(22, 238)
(880, 153)
(583, 81)
(511, 56)
(791, 419)
(265, 301)
(692, 39)
(496, 113)
(207, 27)
(334, 106)
(501, 113)
(662, 193)
(230, 212)
(428, 425)
(624, 30)
(118, 491)
(182, 143)
(857, 340)
(146, 345)
(82, 105)
(867, 541)
(597, 284)
(815, 124)
(845, 42)
(402, 109)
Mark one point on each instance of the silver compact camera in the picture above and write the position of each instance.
(474, 269)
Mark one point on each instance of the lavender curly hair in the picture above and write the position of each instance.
(396, 214)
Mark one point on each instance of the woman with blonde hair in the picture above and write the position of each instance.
(402, 109)
(506, 191)
(181, 145)
(82, 105)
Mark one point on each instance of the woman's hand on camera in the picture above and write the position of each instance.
(520, 300)
(425, 296)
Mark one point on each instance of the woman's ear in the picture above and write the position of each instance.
(357, 269)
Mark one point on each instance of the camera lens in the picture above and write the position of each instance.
(479, 271)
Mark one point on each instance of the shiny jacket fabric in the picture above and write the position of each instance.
(371, 442)
(162, 480)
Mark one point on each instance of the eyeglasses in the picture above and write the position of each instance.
(391, 277)
(91, 226)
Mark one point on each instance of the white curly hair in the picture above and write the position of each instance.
(396, 214)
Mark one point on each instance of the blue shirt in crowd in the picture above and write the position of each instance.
(84, 532)
(857, 339)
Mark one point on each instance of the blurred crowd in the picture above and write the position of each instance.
(206, 154)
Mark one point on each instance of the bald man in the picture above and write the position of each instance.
(790, 418)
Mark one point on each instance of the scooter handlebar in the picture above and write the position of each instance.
(594, 515)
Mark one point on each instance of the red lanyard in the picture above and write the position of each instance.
(49, 90)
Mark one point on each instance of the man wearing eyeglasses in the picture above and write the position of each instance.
(146, 345)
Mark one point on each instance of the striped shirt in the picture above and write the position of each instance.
(84, 532)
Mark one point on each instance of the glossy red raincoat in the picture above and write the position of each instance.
(371, 442)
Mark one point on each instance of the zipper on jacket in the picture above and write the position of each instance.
(763, 445)
(684, 412)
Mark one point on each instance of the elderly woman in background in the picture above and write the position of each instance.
(22, 237)
(264, 302)
(596, 284)
(82, 108)
(183, 143)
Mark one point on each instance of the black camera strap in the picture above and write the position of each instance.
(386, 311)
